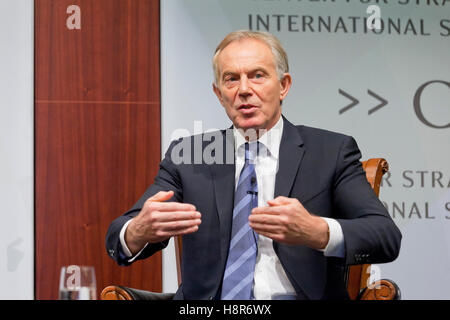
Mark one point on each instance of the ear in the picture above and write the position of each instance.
(285, 84)
(218, 93)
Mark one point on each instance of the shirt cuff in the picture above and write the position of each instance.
(123, 244)
(336, 244)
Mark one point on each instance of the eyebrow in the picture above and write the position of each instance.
(230, 73)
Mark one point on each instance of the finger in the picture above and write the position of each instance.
(280, 200)
(267, 210)
(163, 216)
(171, 206)
(162, 196)
(185, 231)
(271, 235)
(263, 227)
(167, 234)
(177, 226)
(265, 219)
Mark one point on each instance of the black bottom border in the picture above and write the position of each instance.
(184, 310)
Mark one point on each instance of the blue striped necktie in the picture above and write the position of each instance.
(238, 278)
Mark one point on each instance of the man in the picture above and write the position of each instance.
(279, 221)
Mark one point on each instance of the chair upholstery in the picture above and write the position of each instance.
(357, 276)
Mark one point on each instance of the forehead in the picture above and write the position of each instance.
(246, 53)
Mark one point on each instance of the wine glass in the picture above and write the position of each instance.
(77, 283)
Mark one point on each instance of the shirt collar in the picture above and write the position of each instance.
(271, 139)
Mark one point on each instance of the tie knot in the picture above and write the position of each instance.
(251, 151)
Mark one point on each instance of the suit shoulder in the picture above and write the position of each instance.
(318, 134)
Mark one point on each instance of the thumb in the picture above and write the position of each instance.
(162, 196)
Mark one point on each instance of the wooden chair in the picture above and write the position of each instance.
(357, 276)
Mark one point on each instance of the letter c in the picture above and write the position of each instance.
(418, 107)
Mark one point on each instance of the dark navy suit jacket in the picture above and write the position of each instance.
(318, 167)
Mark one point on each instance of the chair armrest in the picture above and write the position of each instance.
(124, 293)
(383, 289)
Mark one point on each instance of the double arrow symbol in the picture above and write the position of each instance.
(355, 101)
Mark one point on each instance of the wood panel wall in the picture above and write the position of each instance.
(97, 134)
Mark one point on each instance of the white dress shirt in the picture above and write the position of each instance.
(270, 279)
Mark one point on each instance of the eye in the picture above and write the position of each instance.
(230, 79)
(259, 75)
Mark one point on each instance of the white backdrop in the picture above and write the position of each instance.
(336, 60)
(16, 150)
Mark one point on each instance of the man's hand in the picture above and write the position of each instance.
(160, 220)
(286, 220)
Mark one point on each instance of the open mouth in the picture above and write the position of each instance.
(247, 108)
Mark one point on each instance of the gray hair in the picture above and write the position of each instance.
(281, 59)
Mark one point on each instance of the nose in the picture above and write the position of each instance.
(244, 89)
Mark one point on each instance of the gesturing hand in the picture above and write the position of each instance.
(286, 220)
(160, 220)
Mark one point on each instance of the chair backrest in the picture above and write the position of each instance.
(357, 275)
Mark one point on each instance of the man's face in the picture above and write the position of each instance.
(248, 86)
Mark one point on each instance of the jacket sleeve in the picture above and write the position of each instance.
(166, 179)
(370, 234)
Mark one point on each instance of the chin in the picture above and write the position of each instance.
(250, 123)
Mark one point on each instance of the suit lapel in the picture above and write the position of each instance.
(289, 159)
(223, 176)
